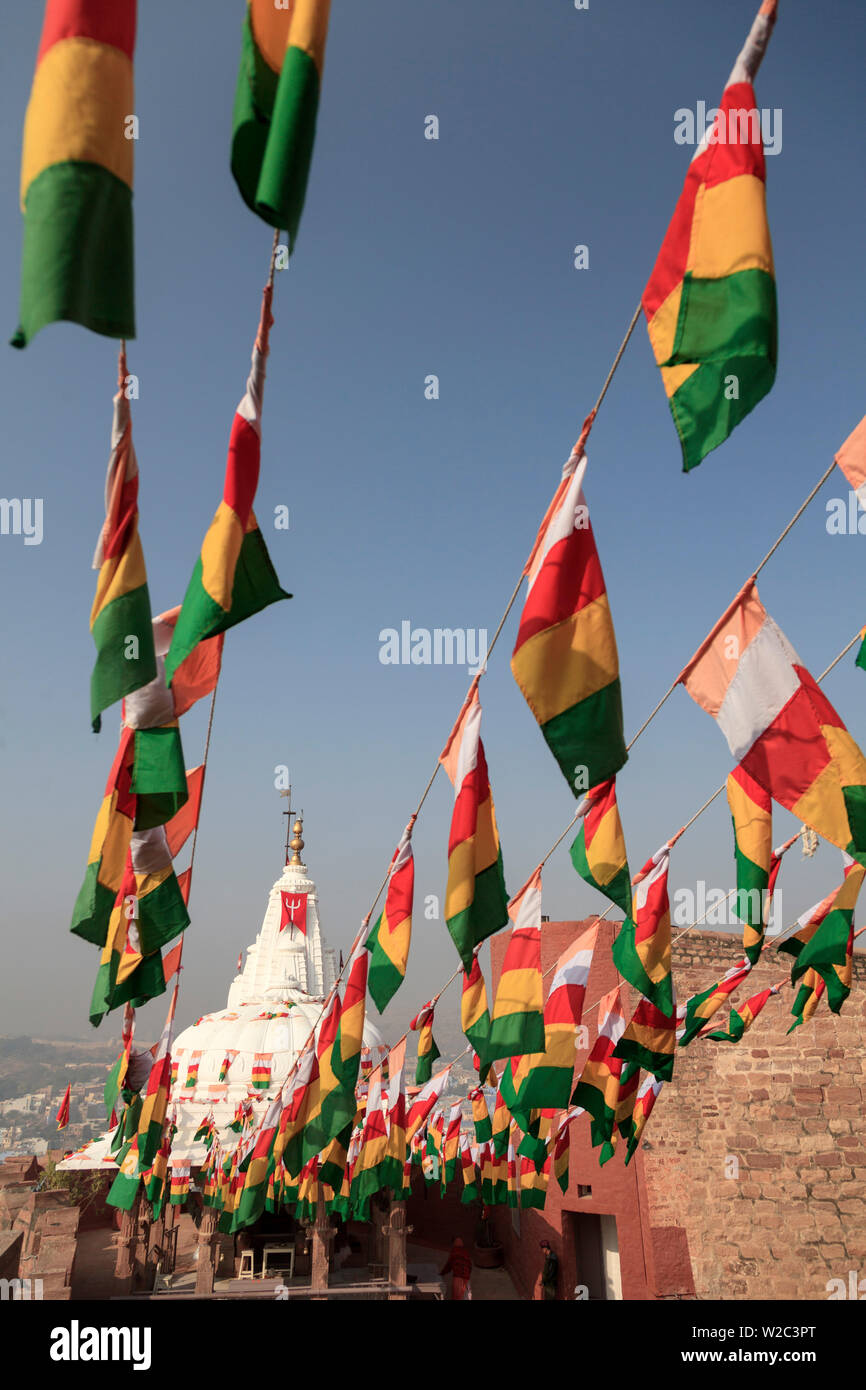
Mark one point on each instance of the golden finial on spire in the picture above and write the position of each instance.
(297, 843)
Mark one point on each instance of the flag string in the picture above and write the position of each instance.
(773, 548)
(578, 815)
(775, 942)
(587, 426)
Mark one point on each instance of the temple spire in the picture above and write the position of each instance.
(297, 843)
(288, 813)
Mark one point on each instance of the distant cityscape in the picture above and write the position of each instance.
(28, 1117)
(34, 1074)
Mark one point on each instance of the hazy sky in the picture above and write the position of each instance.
(415, 257)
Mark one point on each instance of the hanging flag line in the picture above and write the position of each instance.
(581, 812)
(578, 815)
(270, 285)
(578, 448)
(584, 806)
(179, 967)
(773, 548)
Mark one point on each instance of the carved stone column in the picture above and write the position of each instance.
(378, 1221)
(208, 1252)
(124, 1267)
(396, 1230)
(322, 1239)
(170, 1238)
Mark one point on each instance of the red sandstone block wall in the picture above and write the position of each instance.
(751, 1180)
(757, 1149)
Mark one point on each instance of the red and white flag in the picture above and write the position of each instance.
(293, 911)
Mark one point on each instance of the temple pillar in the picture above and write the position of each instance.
(170, 1238)
(207, 1252)
(396, 1232)
(155, 1244)
(124, 1266)
(322, 1239)
(378, 1220)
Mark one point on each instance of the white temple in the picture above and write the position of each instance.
(272, 1006)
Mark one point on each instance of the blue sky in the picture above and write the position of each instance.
(452, 257)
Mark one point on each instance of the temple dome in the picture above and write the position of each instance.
(273, 1005)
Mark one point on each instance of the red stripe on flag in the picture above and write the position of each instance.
(523, 951)
(181, 825)
(106, 21)
(791, 753)
(569, 579)
(716, 165)
(565, 1005)
(474, 792)
(171, 961)
(242, 469)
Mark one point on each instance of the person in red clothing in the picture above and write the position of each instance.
(459, 1265)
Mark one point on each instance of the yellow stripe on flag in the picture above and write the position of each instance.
(730, 230)
(119, 576)
(82, 94)
(219, 555)
(563, 665)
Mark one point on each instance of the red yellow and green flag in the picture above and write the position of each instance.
(710, 302)
(598, 1087)
(646, 1098)
(155, 1103)
(424, 1102)
(206, 1132)
(533, 1184)
(561, 1147)
(350, 1033)
(565, 658)
(650, 1040)
(699, 1009)
(480, 1115)
(475, 897)
(388, 941)
(451, 1142)
(233, 577)
(422, 1024)
(179, 1184)
(752, 816)
(63, 1112)
(331, 1107)
(124, 1189)
(475, 1015)
(76, 172)
(120, 617)
(598, 854)
(741, 1019)
(544, 1080)
(468, 1172)
(808, 998)
(778, 723)
(261, 1075)
(251, 1201)
(517, 1021)
(757, 862)
(117, 1076)
(109, 849)
(501, 1118)
(276, 102)
(629, 1083)
(383, 1147)
(825, 942)
(642, 949)
(226, 1062)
